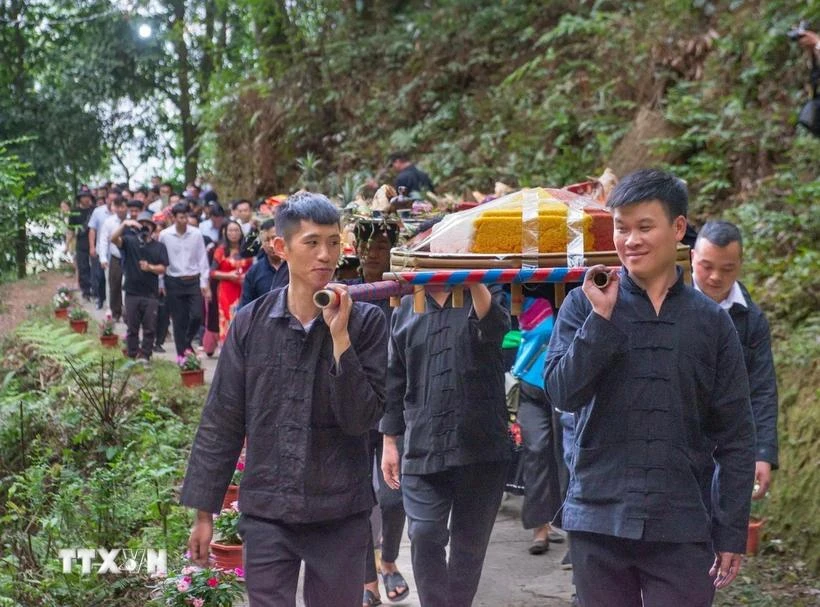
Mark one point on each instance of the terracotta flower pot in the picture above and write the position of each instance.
(753, 536)
(109, 341)
(60, 312)
(79, 326)
(231, 495)
(227, 557)
(192, 378)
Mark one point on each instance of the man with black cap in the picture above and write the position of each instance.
(144, 259)
(78, 220)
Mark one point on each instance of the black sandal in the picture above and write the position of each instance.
(393, 581)
(370, 599)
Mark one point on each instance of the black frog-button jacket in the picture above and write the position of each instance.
(445, 385)
(306, 418)
(653, 394)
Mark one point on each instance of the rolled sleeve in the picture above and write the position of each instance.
(357, 381)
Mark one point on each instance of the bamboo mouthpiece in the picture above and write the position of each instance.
(326, 298)
(600, 279)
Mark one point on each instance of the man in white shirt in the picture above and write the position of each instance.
(186, 277)
(211, 226)
(243, 213)
(110, 259)
(100, 214)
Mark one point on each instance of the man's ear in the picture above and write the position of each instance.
(680, 227)
(280, 247)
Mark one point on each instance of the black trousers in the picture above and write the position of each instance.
(184, 301)
(467, 496)
(391, 506)
(97, 281)
(617, 572)
(140, 312)
(163, 320)
(543, 455)
(115, 286)
(333, 553)
(83, 261)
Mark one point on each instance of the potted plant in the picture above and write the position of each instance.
(107, 336)
(62, 300)
(78, 319)
(756, 523)
(232, 494)
(226, 548)
(190, 369)
(195, 587)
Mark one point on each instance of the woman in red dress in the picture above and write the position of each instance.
(229, 268)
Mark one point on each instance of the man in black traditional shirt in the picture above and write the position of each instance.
(445, 394)
(304, 386)
(654, 372)
(143, 259)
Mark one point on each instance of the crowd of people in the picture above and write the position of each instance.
(181, 259)
(647, 407)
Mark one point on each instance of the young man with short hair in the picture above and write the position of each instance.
(144, 260)
(186, 278)
(654, 373)
(716, 262)
(304, 386)
(268, 272)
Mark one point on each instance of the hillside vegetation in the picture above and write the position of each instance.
(546, 93)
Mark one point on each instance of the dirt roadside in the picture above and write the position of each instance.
(18, 298)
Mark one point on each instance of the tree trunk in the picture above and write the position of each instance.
(189, 128)
(21, 244)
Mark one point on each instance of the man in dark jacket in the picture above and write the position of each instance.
(654, 371)
(445, 395)
(78, 220)
(304, 386)
(268, 272)
(410, 176)
(716, 262)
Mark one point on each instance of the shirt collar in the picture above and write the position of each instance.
(635, 288)
(735, 296)
(279, 309)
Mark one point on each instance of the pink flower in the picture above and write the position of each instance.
(240, 465)
(239, 572)
(188, 570)
(187, 554)
(235, 506)
(183, 586)
(199, 602)
(213, 582)
(187, 579)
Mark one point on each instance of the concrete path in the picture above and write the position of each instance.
(511, 576)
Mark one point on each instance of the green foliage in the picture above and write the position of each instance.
(91, 453)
